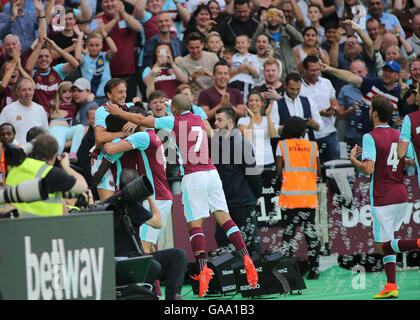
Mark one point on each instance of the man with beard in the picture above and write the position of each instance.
(282, 38)
(272, 88)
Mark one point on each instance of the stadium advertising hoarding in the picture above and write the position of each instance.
(62, 258)
(349, 228)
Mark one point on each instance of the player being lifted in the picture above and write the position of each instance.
(388, 194)
(202, 190)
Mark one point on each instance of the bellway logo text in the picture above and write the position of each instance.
(60, 274)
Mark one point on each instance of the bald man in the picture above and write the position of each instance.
(202, 190)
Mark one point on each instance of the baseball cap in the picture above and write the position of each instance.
(82, 84)
(393, 65)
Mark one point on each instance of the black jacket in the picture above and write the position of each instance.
(231, 28)
(235, 162)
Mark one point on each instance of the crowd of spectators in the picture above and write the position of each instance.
(321, 60)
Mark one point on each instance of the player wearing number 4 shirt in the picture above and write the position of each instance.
(202, 190)
(388, 195)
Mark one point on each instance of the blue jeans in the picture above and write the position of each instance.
(329, 148)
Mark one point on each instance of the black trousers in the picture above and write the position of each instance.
(290, 221)
(246, 220)
(169, 264)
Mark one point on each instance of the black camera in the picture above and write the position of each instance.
(135, 191)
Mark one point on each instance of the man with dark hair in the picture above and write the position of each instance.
(297, 163)
(221, 95)
(278, 31)
(198, 64)
(241, 180)
(294, 104)
(39, 164)
(35, 132)
(322, 92)
(164, 23)
(388, 194)
(116, 92)
(241, 22)
(7, 135)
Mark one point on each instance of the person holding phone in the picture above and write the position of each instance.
(164, 74)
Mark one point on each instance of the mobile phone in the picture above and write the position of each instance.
(162, 52)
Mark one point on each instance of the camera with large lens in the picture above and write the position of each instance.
(135, 191)
(26, 191)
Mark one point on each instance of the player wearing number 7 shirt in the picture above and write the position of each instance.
(202, 190)
(388, 194)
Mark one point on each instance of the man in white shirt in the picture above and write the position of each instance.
(24, 113)
(321, 91)
(294, 104)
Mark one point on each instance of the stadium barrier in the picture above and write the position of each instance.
(63, 258)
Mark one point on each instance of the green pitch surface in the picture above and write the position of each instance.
(335, 283)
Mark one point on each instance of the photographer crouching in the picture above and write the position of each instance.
(42, 163)
(169, 263)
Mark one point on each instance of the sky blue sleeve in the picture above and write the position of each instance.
(410, 151)
(100, 117)
(59, 69)
(114, 157)
(139, 140)
(406, 129)
(199, 112)
(368, 147)
(165, 123)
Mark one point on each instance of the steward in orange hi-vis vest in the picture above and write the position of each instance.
(298, 188)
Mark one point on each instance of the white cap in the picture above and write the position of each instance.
(82, 84)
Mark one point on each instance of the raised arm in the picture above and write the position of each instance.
(31, 61)
(8, 74)
(72, 62)
(84, 15)
(112, 51)
(132, 23)
(344, 75)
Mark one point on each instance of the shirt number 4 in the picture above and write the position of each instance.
(393, 157)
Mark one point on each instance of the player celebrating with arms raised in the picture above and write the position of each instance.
(202, 190)
(388, 194)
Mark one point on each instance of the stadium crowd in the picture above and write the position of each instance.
(266, 61)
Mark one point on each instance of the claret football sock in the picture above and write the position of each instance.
(400, 245)
(235, 237)
(390, 267)
(198, 246)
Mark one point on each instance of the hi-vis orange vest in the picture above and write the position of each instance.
(298, 189)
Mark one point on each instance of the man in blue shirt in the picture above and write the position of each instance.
(376, 9)
(386, 86)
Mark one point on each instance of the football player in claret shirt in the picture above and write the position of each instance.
(202, 190)
(388, 194)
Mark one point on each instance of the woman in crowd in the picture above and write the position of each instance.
(310, 46)
(164, 75)
(258, 128)
(200, 22)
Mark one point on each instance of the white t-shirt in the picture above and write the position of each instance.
(260, 141)
(24, 118)
(237, 60)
